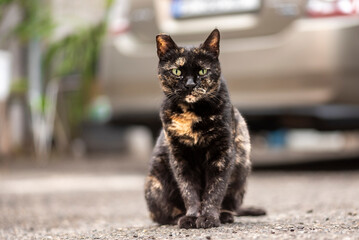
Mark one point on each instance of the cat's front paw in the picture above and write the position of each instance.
(207, 221)
(187, 222)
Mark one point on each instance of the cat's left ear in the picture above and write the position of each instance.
(212, 42)
(164, 44)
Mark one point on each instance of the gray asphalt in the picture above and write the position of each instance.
(109, 204)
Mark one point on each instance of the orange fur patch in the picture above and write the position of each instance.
(181, 125)
(176, 212)
(154, 183)
(162, 45)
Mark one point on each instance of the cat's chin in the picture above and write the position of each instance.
(191, 99)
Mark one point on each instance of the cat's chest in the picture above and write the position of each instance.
(190, 128)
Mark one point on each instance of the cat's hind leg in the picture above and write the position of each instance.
(162, 195)
(230, 206)
(163, 201)
(235, 193)
(232, 202)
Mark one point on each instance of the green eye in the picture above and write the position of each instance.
(202, 72)
(176, 72)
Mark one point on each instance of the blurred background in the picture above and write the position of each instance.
(78, 79)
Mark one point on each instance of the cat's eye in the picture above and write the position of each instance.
(202, 72)
(176, 72)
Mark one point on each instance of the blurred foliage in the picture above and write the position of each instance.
(19, 86)
(36, 22)
(5, 2)
(76, 53)
(3, 5)
(42, 103)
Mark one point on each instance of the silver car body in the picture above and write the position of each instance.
(276, 56)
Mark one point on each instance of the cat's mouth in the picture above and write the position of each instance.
(195, 95)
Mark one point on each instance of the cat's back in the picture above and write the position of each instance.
(241, 138)
(159, 159)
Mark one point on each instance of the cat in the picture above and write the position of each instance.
(201, 161)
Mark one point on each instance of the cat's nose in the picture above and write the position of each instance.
(190, 83)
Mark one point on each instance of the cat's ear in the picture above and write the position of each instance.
(212, 42)
(164, 44)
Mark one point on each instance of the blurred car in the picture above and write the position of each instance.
(283, 60)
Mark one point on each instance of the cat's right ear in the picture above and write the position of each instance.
(212, 42)
(164, 44)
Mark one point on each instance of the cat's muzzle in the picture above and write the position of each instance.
(190, 84)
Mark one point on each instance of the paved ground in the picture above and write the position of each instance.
(108, 203)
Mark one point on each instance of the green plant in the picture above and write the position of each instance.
(19, 86)
(36, 19)
(78, 54)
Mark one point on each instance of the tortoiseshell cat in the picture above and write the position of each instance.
(201, 159)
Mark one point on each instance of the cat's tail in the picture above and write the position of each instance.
(251, 211)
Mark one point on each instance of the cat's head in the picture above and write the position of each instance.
(189, 74)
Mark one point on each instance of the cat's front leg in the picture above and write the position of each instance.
(218, 172)
(189, 185)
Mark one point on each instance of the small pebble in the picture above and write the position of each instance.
(208, 237)
(310, 211)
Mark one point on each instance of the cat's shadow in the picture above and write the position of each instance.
(245, 222)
